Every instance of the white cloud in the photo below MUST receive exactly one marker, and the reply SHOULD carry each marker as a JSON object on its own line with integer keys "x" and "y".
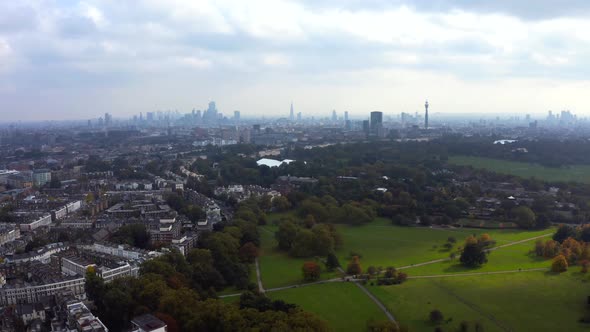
{"x": 287, "y": 42}
{"x": 195, "y": 62}
{"x": 276, "y": 60}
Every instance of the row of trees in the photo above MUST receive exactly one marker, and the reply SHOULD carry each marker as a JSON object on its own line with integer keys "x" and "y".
{"x": 164, "y": 290}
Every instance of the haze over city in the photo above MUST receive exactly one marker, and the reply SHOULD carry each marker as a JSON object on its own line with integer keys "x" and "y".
{"x": 79, "y": 59}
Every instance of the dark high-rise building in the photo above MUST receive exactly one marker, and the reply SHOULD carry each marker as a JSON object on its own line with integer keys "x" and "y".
{"x": 345, "y": 116}
{"x": 299, "y": 117}
{"x": 292, "y": 113}
{"x": 366, "y": 126}
{"x": 376, "y": 122}
{"x": 426, "y": 115}
{"x": 236, "y": 116}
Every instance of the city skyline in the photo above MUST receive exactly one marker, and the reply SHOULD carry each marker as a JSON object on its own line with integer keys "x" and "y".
{"x": 76, "y": 60}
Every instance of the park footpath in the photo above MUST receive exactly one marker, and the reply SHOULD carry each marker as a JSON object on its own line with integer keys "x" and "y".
{"x": 359, "y": 282}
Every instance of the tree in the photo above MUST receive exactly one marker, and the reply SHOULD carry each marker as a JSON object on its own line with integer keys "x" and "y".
{"x": 354, "y": 267}
{"x": 563, "y": 232}
{"x": 309, "y": 221}
{"x": 539, "y": 248}
{"x": 332, "y": 262}
{"x": 559, "y": 264}
{"x": 303, "y": 246}
{"x": 550, "y": 249}
{"x": 311, "y": 271}
{"x": 390, "y": 272}
{"x": 248, "y": 252}
{"x": 281, "y": 203}
{"x": 401, "y": 277}
{"x": 525, "y": 217}
{"x": 371, "y": 270}
{"x": 285, "y": 235}
{"x": 436, "y": 316}
{"x": 585, "y": 264}
{"x": 134, "y": 235}
{"x": 94, "y": 285}
{"x": 323, "y": 243}
{"x": 473, "y": 255}
{"x": 485, "y": 239}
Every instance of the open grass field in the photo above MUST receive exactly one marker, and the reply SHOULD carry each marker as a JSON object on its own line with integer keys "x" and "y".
{"x": 342, "y": 304}
{"x": 514, "y": 257}
{"x": 276, "y": 267}
{"x": 529, "y": 301}
{"x": 576, "y": 173}
{"x": 382, "y": 244}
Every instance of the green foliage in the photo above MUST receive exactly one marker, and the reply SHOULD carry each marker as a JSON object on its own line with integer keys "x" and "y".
{"x": 563, "y": 232}
{"x": 525, "y": 217}
{"x": 134, "y": 235}
{"x": 332, "y": 262}
{"x": 473, "y": 255}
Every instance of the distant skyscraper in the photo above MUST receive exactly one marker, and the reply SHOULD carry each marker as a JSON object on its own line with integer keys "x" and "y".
{"x": 334, "y": 116}
{"x": 376, "y": 122}
{"x": 299, "y": 117}
{"x": 366, "y": 126}
{"x": 236, "y": 116}
{"x": 292, "y": 113}
{"x": 107, "y": 119}
{"x": 345, "y": 116}
{"x": 426, "y": 115}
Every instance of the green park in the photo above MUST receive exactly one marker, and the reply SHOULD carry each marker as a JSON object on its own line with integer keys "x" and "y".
{"x": 578, "y": 173}
{"x": 487, "y": 297}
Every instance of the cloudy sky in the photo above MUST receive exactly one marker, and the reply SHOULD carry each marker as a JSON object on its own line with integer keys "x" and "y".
{"x": 74, "y": 59}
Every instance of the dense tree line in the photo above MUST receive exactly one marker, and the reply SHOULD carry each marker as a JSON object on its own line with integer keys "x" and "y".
{"x": 569, "y": 246}
{"x": 165, "y": 288}
{"x": 307, "y": 241}
{"x": 182, "y": 289}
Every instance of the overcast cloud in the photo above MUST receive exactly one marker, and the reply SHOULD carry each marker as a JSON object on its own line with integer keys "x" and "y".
{"x": 77, "y": 59}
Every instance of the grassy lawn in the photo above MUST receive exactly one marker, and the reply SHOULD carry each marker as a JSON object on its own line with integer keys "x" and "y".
{"x": 531, "y": 301}
{"x": 514, "y": 257}
{"x": 276, "y": 267}
{"x": 232, "y": 299}
{"x": 576, "y": 173}
{"x": 382, "y": 244}
{"x": 343, "y": 305}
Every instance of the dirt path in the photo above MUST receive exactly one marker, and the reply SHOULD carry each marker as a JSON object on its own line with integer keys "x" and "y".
{"x": 258, "y": 277}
